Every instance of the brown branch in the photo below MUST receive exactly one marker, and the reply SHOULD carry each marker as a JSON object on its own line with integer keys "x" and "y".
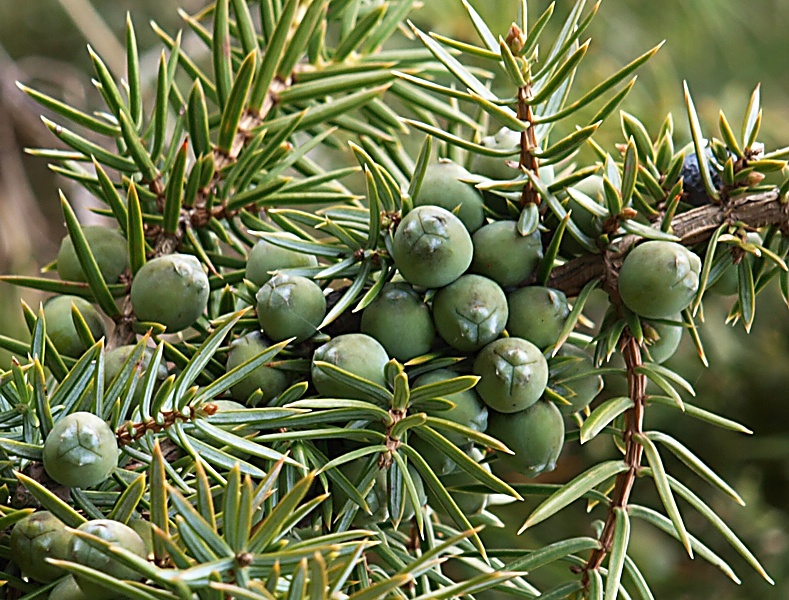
{"x": 528, "y": 142}
{"x": 516, "y": 39}
{"x": 634, "y": 421}
{"x": 129, "y": 432}
{"x": 692, "y": 227}
{"x": 201, "y": 214}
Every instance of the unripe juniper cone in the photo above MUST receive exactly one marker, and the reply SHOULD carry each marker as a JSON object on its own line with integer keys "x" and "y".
{"x": 290, "y": 306}
{"x": 498, "y": 167}
{"x": 470, "y": 312}
{"x": 663, "y": 337}
{"x": 114, "y": 361}
{"x": 109, "y": 248}
{"x": 378, "y": 497}
{"x": 61, "y": 328}
{"x": 431, "y": 247}
{"x": 468, "y": 409}
{"x": 537, "y": 314}
{"x": 119, "y": 534}
{"x": 35, "y": 538}
{"x": 573, "y": 376}
{"x": 535, "y": 435}
{"x": 171, "y": 290}
{"x": 68, "y": 589}
{"x": 443, "y": 186}
{"x": 513, "y": 374}
{"x": 400, "y": 321}
{"x": 503, "y": 254}
{"x": 471, "y": 503}
{"x": 268, "y": 380}
{"x": 265, "y": 257}
{"x": 659, "y": 279}
{"x": 356, "y": 353}
{"x": 80, "y": 451}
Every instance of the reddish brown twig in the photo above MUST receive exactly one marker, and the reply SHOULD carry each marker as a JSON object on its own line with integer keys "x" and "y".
{"x": 634, "y": 420}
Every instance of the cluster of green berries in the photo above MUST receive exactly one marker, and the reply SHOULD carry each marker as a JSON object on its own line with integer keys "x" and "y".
{"x": 460, "y": 289}
{"x": 41, "y": 536}
{"x": 457, "y": 292}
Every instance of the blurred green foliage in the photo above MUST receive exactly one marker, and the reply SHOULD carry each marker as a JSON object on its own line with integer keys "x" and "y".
{"x": 722, "y": 48}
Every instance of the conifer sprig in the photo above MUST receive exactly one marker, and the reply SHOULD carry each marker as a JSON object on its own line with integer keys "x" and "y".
{"x": 291, "y": 133}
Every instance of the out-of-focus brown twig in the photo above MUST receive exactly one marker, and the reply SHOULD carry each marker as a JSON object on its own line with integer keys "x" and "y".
{"x": 23, "y": 226}
{"x": 97, "y": 32}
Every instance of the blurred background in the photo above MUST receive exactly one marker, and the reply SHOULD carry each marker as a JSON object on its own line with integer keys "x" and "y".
{"x": 723, "y": 48}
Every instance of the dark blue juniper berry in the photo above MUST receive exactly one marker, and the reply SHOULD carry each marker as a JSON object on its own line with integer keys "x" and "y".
{"x": 694, "y": 192}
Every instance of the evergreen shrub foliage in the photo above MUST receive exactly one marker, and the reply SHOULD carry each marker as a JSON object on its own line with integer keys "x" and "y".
{"x": 311, "y": 370}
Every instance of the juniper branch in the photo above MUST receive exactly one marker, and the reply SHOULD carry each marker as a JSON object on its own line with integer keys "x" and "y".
{"x": 692, "y": 227}
{"x": 634, "y": 421}
{"x": 201, "y": 214}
